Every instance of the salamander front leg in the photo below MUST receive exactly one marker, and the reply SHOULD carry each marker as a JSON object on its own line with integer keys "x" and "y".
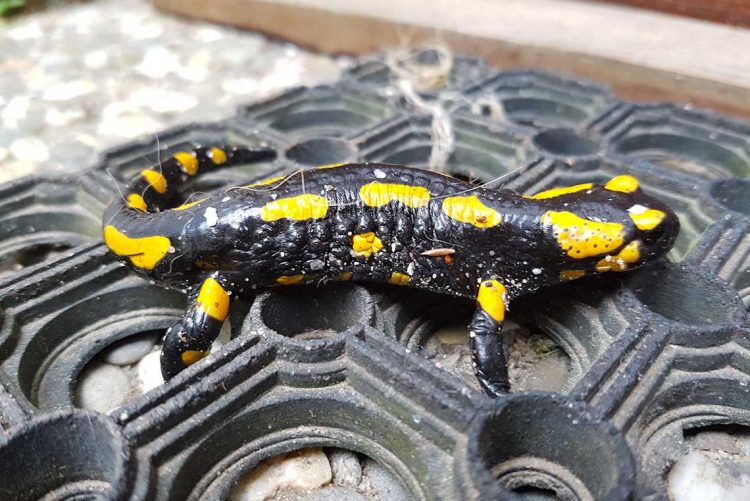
{"x": 190, "y": 338}
{"x": 486, "y": 343}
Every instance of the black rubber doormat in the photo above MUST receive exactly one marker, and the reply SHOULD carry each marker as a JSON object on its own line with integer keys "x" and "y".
{"x": 633, "y": 364}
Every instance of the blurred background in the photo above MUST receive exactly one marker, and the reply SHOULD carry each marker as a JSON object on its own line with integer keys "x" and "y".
{"x": 78, "y": 77}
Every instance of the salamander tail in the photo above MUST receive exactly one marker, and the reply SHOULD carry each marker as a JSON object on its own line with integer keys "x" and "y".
{"x": 157, "y": 188}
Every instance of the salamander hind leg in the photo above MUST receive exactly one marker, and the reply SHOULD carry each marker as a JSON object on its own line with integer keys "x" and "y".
{"x": 486, "y": 343}
{"x": 190, "y": 338}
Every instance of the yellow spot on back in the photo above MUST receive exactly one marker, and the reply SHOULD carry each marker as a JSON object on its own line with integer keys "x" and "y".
{"x": 628, "y": 255}
{"x": 137, "y": 202}
{"x": 625, "y": 184}
{"x": 265, "y": 182}
{"x": 213, "y": 300}
{"x": 156, "y": 180}
{"x": 189, "y": 204}
{"x": 556, "y": 192}
{"x": 379, "y": 194}
{"x": 582, "y": 238}
{"x": 567, "y": 275}
{"x": 188, "y": 162}
{"x": 471, "y": 210}
{"x": 344, "y": 277}
{"x": 299, "y": 208}
{"x": 290, "y": 279}
{"x": 189, "y": 357}
{"x": 648, "y": 219}
{"x": 331, "y": 166}
{"x": 398, "y": 278}
{"x": 366, "y": 244}
{"x": 218, "y": 156}
{"x": 144, "y": 252}
{"x": 491, "y": 298}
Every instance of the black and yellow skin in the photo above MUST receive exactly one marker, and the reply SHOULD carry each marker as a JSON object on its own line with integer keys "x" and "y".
{"x": 374, "y": 223}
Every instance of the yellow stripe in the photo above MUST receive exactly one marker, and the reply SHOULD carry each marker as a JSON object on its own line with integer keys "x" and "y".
{"x": 625, "y": 184}
{"x": 582, "y": 238}
{"x": 144, "y": 252}
{"x": 265, "y": 182}
{"x": 290, "y": 279}
{"x": 366, "y": 244}
{"x": 213, "y": 300}
{"x": 471, "y": 210}
{"x": 378, "y": 194}
{"x": 136, "y": 201}
{"x": 188, "y": 162}
{"x": 556, "y": 192}
{"x": 191, "y": 356}
{"x": 156, "y": 180}
{"x": 648, "y": 219}
{"x": 398, "y": 278}
{"x": 218, "y": 156}
{"x": 299, "y": 208}
{"x": 491, "y": 298}
{"x": 189, "y": 204}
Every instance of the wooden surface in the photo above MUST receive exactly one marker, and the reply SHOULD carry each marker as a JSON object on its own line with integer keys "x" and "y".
{"x": 643, "y": 55}
{"x": 732, "y": 12}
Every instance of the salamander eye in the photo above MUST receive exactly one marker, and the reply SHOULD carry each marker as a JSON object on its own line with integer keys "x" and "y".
{"x": 652, "y": 237}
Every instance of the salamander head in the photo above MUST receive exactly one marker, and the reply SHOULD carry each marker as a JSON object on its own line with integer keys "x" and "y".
{"x": 612, "y": 227}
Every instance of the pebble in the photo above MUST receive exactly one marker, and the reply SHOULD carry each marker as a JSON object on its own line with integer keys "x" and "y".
{"x": 103, "y": 387}
{"x": 297, "y": 470}
{"x": 345, "y": 467}
{"x": 453, "y": 334}
{"x": 331, "y": 493}
{"x": 384, "y": 483}
{"x": 15, "y": 111}
{"x": 706, "y": 476}
{"x": 131, "y": 349}
{"x": 29, "y": 149}
{"x": 149, "y": 371}
{"x": 96, "y": 59}
{"x": 65, "y": 91}
{"x": 163, "y": 101}
{"x": 158, "y": 62}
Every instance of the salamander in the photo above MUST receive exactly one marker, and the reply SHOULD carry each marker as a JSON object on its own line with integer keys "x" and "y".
{"x": 372, "y": 222}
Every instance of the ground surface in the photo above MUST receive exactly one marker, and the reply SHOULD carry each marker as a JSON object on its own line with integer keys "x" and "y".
{"x": 77, "y": 79}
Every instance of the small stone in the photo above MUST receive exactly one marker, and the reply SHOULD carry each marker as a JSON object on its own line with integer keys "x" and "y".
{"x": 705, "y": 476}
{"x": 26, "y": 31}
{"x": 158, "y": 62}
{"x": 331, "y": 493}
{"x": 163, "y": 101}
{"x": 149, "y": 371}
{"x": 29, "y": 149}
{"x": 345, "y": 466}
{"x": 96, "y": 59}
{"x": 59, "y": 118}
{"x": 240, "y": 85}
{"x": 129, "y": 126}
{"x": 15, "y": 111}
{"x": 65, "y": 91}
{"x": 383, "y": 482}
{"x": 225, "y": 335}
{"x": 297, "y": 470}
{"x": 453, "y": 334}
{"x": 103, "y": 387}
{"x": 131, "y": 349}
{"x": 14, "y": 170}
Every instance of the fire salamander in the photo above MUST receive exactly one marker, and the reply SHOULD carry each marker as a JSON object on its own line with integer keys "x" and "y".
{"x": 374, "y": 223}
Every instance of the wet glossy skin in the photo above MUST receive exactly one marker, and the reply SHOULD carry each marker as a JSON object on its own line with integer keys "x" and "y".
{"x": 376, "y": 223}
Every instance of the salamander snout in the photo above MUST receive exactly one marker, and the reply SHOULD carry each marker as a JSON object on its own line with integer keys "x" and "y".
{"x": 656, "y": 226}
